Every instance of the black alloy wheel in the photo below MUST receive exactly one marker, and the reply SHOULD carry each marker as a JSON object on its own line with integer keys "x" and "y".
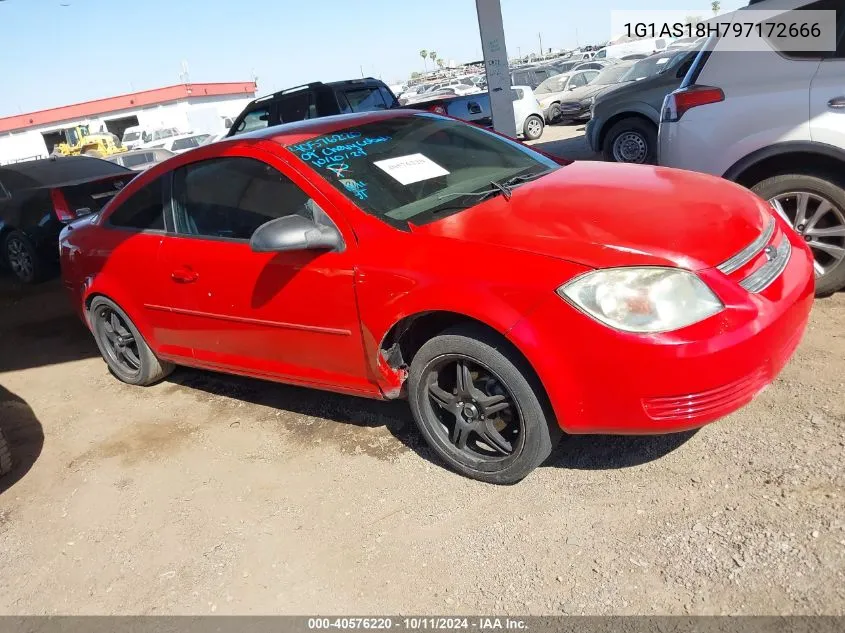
{"x": 120, "y": 346}
{"x": 125, "y": 351}
{"x": 477, "y": 414}
{"x": 479, "y": 405}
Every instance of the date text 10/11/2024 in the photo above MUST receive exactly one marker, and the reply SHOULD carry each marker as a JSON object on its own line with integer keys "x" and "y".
{"x": 422, "y": 623}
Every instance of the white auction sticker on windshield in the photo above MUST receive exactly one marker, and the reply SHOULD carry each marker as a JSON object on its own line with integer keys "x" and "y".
{"x": 411, "y": 168}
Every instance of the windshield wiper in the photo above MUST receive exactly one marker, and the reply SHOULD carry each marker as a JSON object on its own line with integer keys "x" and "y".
{"x": 481, "y": 195}
{"x": 510, "y": 183}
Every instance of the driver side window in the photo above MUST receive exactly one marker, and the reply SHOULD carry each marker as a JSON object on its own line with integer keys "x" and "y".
{"x": 231, "y": 197}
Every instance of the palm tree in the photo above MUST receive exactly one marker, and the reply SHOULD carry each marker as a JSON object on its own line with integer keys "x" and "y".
{"x": 440, "y": 62}
{"x": 424, "y": 55}
{"x": 433, "y": 55}
{"x": 716, "y": 6}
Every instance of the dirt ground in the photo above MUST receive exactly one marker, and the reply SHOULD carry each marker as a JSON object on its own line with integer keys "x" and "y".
{"x": 212, "y": 494}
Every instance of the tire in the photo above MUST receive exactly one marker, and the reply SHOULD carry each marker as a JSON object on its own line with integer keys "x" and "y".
{"x": 6, "y": 463}
{"x": 106, "y": 315}
{"x": 529, "y": 429}
{"x": 624, "y": 135}
{"x": 554, "y": 113}
{"x": 22, "y": 258}
{"x": 533, "y": 127}
{"x": 777, "y": 189}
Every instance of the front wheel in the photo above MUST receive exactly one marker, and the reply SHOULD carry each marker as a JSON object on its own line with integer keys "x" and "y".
{"x": 554, "y": 113}
{"x": 475, "y": 402}
{"x": 123, "y": 348}
{"x": 533, "y": 127}
{"x": 815, "y": 207}
{"x": 631, "y": 140}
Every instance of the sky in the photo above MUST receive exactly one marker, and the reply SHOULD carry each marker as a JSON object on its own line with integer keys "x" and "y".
{"x": 53, "y": 55}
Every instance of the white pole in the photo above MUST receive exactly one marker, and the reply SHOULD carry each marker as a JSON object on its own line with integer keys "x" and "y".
{"x": 496, "y": 65}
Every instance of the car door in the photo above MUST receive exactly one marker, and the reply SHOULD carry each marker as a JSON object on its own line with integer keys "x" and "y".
{"x": 827, "y": 96}
{"x": 287, "y": 315}
{"x": 128, "y": 249}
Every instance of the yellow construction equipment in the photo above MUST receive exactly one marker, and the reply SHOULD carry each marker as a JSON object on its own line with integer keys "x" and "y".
{"x": 78, "y": 140}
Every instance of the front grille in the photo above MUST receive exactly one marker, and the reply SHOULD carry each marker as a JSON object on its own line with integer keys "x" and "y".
{"x": 706, "y": 403}
{"x": 778, "y": 258}
{"x": 757, "y": 265}
{"x": 749, "y": 252}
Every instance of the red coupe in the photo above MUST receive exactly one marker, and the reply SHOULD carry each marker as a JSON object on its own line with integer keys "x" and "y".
{"x": 507, "y": 295}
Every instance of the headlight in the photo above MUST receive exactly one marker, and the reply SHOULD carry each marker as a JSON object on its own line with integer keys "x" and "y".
{"x": 590, "y": 101}
{"x": 643, "y": 300}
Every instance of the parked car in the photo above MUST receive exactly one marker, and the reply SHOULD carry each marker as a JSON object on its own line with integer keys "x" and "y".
{"x": 181, "y": 143}
{"x": 595, "y": 64}
{"x": 644, "y": 46}
{"x": 37, "y": 199}
{"x": 623, "y": 121}
{"x": 314, "y": 100}
{"x": 403, "y": 254}
{"x": 532, "y": 76}
{"x": 154, "y": 137}
{"x": 141, "y": 159}
{"x": 566, "y": 65}
{"x": 528, "y": 115}
{"x": 721, "y": 121}
{"x": 574, "y": 101}
{"x": 554, "y": 90}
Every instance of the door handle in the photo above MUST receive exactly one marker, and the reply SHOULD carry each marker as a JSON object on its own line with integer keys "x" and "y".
{"x": 184, "y": 275}
{"x": 837, "y": 103}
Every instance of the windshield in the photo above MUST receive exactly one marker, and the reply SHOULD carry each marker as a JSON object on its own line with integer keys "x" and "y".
{"x": 552, "y": 84}
{"x": 417, "y": 168}
{"x": 648, "y": 67}
{"x": 610, "y": 75}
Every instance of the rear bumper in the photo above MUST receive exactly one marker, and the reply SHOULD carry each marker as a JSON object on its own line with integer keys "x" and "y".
{"x": 601, "y": 380}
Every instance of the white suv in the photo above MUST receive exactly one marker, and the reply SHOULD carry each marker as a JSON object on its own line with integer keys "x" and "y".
{"x": 772, "y": 121}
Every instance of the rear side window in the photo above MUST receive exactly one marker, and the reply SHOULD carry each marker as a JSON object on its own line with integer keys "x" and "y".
{"x": 138, "y": 159}
{"x": 388, "y": 97}
{"x": 296, "y": 106}
{"x": 790, "y": 17}
{"x": 363, "y": 100}
{"x": 231, "y": 197}
{"x": 143, "y": 211}
{"x": 254, "y": 120}
{"x": 92, "y": 195}
{"x": 521, "y": 79}
{"x": 185, "y": 143}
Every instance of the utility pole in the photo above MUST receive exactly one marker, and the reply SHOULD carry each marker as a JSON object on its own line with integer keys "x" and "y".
{"x": 540, "y": 35}
{"x": 577, "y": 43}
{"x": 362, "y": 70}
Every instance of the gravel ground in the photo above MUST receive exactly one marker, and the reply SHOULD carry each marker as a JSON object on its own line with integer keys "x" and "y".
{"x": 213, "y": 494}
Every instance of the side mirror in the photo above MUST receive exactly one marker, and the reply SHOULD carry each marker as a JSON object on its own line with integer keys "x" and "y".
{"x": 295, "y": 233}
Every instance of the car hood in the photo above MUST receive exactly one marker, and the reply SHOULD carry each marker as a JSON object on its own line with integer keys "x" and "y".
{"x": 603, "y": 215}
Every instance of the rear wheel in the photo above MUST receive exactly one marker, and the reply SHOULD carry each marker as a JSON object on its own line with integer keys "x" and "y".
{"x": 122, "y": 346}
{"x": 474, "y": 401}
{"x": 22, "y": 257}
{"x": 631, "y": 140}
{"x": 533, "y": 127}
{"x": 554, "y": 113}
{"x": 815, "y": 207}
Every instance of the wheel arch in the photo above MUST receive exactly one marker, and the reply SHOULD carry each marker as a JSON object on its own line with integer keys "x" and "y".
{"x": 133, "y": 311}
{"x": 407, "y": 335}
{"x": 642, "y": 112}
{"x": 804, "y": 157}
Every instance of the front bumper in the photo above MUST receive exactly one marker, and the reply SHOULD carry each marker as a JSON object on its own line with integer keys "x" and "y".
{"x": 591, "y": 133}
{"x": 600, "y": 380}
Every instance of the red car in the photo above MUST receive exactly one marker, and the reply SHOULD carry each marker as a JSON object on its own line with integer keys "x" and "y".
{"x": 507, "y": 295}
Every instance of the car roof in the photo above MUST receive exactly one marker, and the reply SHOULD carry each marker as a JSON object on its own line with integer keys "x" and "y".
{"x": 60, "y": 170}
{"x": 299, "y": 131}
